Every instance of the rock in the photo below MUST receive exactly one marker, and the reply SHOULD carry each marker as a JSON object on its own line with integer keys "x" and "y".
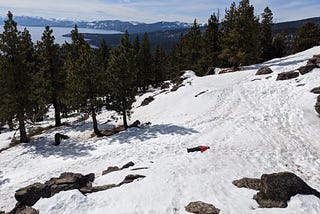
{"x": 315, "y": 60}
{"x": 130, "y": 178}
{"x": 278, "y": 188}
{"x": 58, "y": 137}
{"x": 86, "y": 190}
{"x": 127, "y": 165}
{"x": 110, "y": 169}
{"x": 211, "y": 71}
{"x": 136, "y": 124}
{"x": 21, "y": 209}
{"x": 316, "y": 90}
{"x": 287, "y": 75}
{"x": 317, "y": 106}
{"x": 264, "y": 70}
{"x": 306, "y": 69}
{"x": 30, "y": 194}
{"x": 201, "y": 208}
{"x": 176, "y": 87}
{"x": 165, "y": 85}
{"x": 249, "y": 183}
{"x": 256, "y": 79}
{"x": 227, "y": 70}
{"x": 147, "y": 101}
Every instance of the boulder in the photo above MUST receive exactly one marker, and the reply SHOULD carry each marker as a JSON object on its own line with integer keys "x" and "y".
{"x": 201, "y": 208}
{"x": 316, "y": 90}
{"x": 127, "y": 165}
{"x": 165, "y": 85}
{"x": 287, "y": 75}
{"x": 135, "y": 124}
{"x": 227, "y": 70}
{"x": 278, "y": 188}
{"x": 264, "y": 70}
{"x": 130, "y": 179}
{"x": 29, "y": 195}
{"x": 306, "y": 69}
{"x": 110, "y": 169}
{"x": 86, "y": 190}
{"x": 249, "y": 183}
{"x": 58, "y": 137}
{"x": 147, "y": 101}
{"x": 317, "y": 106}
{"x": 21, "y": 209}
{"x": 315, "y": 60}
{"x": 211, "y": 71}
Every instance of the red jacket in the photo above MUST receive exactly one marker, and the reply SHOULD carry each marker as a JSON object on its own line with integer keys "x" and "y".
{"x": 204, "y": 148}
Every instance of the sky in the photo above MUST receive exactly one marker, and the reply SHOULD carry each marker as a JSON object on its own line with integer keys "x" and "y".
{"x": 152, "y": 11}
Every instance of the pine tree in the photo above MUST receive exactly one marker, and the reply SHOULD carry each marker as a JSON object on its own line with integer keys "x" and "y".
{"x": 307, "y": 37}
{"x": 123, "y": 75}
{"x": 279, "y": 46}
{"x": 241, "y": 43}
{"x": 50, "y": 64}
{"x": 159, "y": 66}
{"x": 16, "y": 74}
{"x": 145, "y": 75}
{"x": 266, "y": 34}
{"x": 84, "y": 79}
{"x": 211, "y": 43}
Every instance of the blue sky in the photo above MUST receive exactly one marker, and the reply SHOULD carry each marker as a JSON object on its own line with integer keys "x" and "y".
{"x": 152, "y": 11}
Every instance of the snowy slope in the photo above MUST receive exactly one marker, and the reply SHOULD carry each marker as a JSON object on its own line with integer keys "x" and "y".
{"x": 252, "y": 127}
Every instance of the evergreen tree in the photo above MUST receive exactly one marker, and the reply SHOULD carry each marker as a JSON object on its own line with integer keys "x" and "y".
{"x": 211, "y": 43}
{"x": 84, "y": 85}
{"x": 159, "y": 59}
{"x": 50, "y": 64}
{"x": 123, "y": 77}
{"x": 16, "y": 74}
{"x": 241, "y": 44}
{"x": 145, "y": 76}
{"x": 307, "y": 37}
{"x": 279, "y": 46}
{"x": 266, "y": 34}
{"x": 191, "y": 49}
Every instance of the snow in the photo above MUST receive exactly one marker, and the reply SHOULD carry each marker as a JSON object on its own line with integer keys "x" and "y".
{"x": 252, "y": 128}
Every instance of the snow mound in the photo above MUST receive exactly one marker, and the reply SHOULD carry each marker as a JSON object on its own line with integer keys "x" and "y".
{"x": 188, "y": 74}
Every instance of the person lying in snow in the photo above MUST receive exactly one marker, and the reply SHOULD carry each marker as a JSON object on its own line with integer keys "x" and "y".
{"x": 198, "y": 148}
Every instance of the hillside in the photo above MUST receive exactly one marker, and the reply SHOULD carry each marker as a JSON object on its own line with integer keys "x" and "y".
{"x": 252, "y": 127}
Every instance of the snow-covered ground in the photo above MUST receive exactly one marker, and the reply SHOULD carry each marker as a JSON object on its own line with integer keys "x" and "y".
{"x": 252, "y": 127}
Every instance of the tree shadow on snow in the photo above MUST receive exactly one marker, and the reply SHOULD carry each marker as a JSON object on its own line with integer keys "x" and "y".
{"x": 68, "y": 148}
{"x": 151, "y": 132}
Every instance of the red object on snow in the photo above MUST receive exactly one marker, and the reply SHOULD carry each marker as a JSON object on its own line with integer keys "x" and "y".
{"x": 204, "y": 148}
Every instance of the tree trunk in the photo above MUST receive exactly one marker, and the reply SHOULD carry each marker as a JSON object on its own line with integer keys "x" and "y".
{"x": 10, "y": 124}
{"x": 124, "y": 117}
{"x": 94, "y": 119}
{"x": 22, "y": 129}
{"x": 57, "y": 111}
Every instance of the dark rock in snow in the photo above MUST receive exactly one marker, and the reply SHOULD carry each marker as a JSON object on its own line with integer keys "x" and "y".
{"x": 29, "y": 195}
{"x": 136, "y": 124}
{"x": 58, "y": 137}
{"x": 315, "y": 60}
{"x": 249, "y": 183}
{"x": 165, "y": 85}
{"x": 317, "y": 106}
{"x": 316, "y": 90}
{"x": 21, "y": 209}
{"x": 66, "y": 181}
{"x": 86, "y": 190}
{"x": 147, "y": 101}
{"x": 306, "y": 69}
{"x": 278, "y": 188}
{"x": 110, "y": 169}
{"x": 130, "y": 178}
{"x": 287, "y": 75}
{"x": 211, "y": 71}
{"x": 200, "y": 207}
{"x": 264, "y": 70}
{"x": 127, "y": 165}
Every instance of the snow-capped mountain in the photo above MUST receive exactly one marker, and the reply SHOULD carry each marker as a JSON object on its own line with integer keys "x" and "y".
{"x": 117, "y": 25}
